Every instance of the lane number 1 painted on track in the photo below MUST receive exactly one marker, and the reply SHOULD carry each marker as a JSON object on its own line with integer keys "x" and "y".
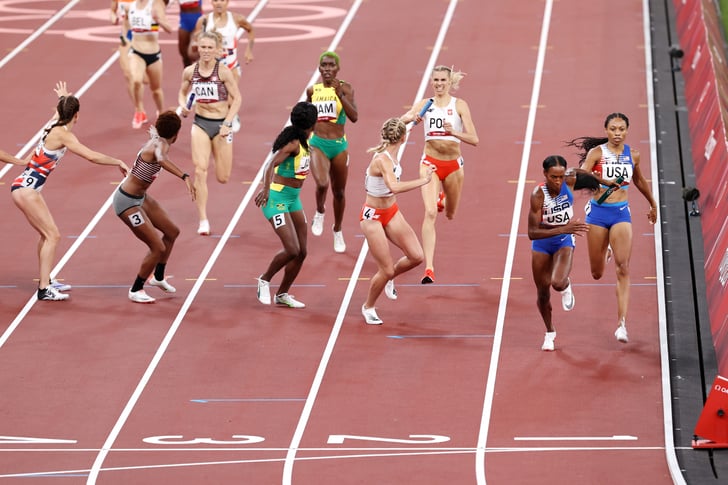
{"x": 415, "y": 439}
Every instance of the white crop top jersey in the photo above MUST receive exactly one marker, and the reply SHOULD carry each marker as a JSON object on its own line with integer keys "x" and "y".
{"x": 435, "y": 118}
{"x": 141, "y": 20}
{"x": 374, "y": 184}
{"x": 228, "y": 32}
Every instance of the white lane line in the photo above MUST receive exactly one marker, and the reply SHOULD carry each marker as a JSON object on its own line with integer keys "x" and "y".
{"x": 318, "y": 378}
{"x": 615, "y": 437}
{"x": 516, "y": 218}
{"x": 38, "y": 33}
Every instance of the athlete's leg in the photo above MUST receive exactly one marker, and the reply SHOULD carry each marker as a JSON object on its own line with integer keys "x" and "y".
{"x": 339, "y": 172}
{"x": 320, "y": 168}
{"x": 222, "y": 152}
{"x": 541, "y": 267}
{"x": 620, "y": 237}
{"x": 597, "y": 240}
{"x": 562, "y": 261}
{"x": 379, "y": 249}
{"x": 429, "y": 197}
{"x": 201, "y": 148}
{"x": 154, "y": 71}
{"x": 34, "y": 207}
{"x": 161, "y": 221}
{"x": 453, "y": 187}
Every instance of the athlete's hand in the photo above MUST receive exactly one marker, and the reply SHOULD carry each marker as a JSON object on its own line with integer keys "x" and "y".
{"x": 261, "y": 198}
{"x": 429, "y": 169}
{"x": 61, "y": 89}
{"x": 576, "y": 227}
{"x": 123, "y": 168}
{"x": 652, "y": 215}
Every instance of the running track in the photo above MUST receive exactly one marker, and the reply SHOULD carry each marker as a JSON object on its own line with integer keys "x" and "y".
{"x": 208, "y": 386}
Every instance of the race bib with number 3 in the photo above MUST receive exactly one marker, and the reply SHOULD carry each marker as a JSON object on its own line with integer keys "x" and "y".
{"x": 136, "y": 218}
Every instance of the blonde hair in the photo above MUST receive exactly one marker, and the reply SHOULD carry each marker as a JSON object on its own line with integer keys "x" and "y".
{"x": 455, "y": 76}
{"x": 393, "y": 131}
{"x": 209, "y": 34}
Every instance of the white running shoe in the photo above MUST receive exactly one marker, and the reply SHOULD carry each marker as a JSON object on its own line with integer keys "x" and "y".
{"x": 204, "y": 228}
{"x": 339, "y": 244}
{"x": 567, "y": 299}
{"x": 370, "y": 315}
{"x": 236, "y": 124}
{"x": 621, "y": 334}
{"x": 548, "y": 341}
{"x": 390, "y": 290}
{"x": 140, "y": 297}
{"x": 289, "y": 301}
{"x": 161, "y": 284}
{"x": 51, "y": 294}
{"x": 317, "y": 225}
{"x": 263, "y": 291}
{"x": 60, "y": 286}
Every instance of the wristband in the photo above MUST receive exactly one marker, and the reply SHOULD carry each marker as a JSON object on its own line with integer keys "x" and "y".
{"x": 185, "y": 176}
{"x": 229, "y": 124}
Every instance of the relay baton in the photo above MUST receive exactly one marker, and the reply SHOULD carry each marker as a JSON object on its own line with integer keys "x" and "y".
{"x": 610, "y": 190}
{"x": 190, "y": 101}
{"x": 424, "y": 110}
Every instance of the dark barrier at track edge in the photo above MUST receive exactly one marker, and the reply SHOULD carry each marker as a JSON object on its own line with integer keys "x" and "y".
{"x": 705, "y": 72}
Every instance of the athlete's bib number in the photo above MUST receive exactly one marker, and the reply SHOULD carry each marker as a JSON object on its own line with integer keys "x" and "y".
{"x": 136, "y": 218}
{"x": 369, "y": 213}
{"x": 279, "y": 220}
{"x": 30, "y": 179}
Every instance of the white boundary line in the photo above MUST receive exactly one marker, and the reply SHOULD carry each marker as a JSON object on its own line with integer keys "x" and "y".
{"x": 318, "y": 378}
{"x": 512, "y": 239}
{"x": 670, "y": 455}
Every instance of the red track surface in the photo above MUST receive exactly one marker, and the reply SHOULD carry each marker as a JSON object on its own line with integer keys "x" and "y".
{"x": 230, "y": 368}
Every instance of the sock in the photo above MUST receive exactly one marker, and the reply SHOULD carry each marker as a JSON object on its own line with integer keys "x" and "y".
{"x": 159, "y": 271}
{"x": 138, "y": 284}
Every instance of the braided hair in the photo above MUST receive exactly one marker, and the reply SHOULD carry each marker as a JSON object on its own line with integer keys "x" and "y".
{"x": 393, "y": 131}
{"x": 303, "y": 118}
{"x": 586, "y": 143}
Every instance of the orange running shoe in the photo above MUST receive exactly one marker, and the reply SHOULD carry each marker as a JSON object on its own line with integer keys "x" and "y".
{"x": 139, "y": 119}
{"x": 429, "y": 277}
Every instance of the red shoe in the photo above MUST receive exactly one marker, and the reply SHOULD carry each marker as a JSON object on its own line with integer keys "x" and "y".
{"x": 429, "y": 277}
{"x": 441, "y": 202}
{"x": 139, "y": 119}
